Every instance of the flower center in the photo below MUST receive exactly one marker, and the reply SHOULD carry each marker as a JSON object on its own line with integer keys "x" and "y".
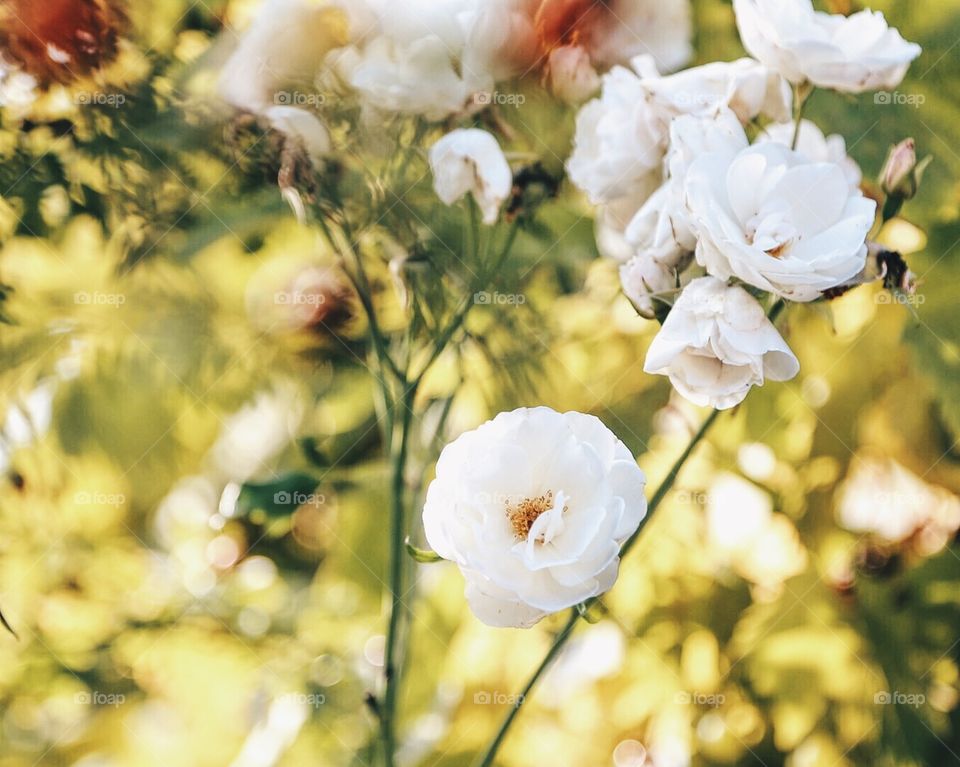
{"x": 522, "y": 515}
{"x": 772, "y": 232}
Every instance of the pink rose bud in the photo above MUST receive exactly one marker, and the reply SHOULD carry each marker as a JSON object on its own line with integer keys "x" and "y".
{"x": 572, "y": 76}
{"x": 899, "y": 177}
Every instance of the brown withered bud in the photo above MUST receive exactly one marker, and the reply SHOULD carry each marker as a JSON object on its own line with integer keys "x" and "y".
{"x": 532, "y": 184}
{"x": 60, "y": 40}
{"x": 885, "y": 265}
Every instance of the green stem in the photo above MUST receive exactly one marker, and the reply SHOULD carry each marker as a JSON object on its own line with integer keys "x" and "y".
{"x": 392, "y": 669}
{"x": 801, "y": 95}
{"x": 460, "y": 315}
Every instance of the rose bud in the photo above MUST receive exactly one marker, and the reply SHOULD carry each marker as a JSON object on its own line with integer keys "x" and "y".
{"x": 901, "y": 175}
{"x": 897, "y": 177}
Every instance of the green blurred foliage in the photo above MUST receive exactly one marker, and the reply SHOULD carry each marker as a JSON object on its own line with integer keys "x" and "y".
{"x": 193, "y": 510}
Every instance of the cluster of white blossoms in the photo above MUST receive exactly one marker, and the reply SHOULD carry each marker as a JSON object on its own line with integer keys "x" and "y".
{"x": 703, "y": 220}
{"x": 435, "y": 59}
{"x": 709, "y": 192}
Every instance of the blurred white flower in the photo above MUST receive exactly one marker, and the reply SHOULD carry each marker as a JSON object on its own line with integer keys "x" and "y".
{"x": 882, "y": 497}
{"x": 418, "y": 77}
{"x": 257, "y": 433}
{"x": 533, "y": 506}
{"x": 303, "y": 127}
{"x": 847, "y": 53}
{"x": 569, "y": 42}
{"x": 622, "y": 136}
{"x": 737, "y": 513}
{"x": 622, "y": 29}
{"x": 17, "y": 88}
{"x": 571, "y": 74}
{"x": 815, "y": 146}
{"x": 470, "y": 160}
{"x": 284, "y": 47}
{"x": 760, "y": 546}
{"x": 430, "y": 57}
{"x": 777, "y": 221}
{"x": 716, "y": 343}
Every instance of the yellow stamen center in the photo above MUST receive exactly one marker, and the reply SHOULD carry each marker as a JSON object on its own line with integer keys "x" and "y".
{"x": 522, "y": 515}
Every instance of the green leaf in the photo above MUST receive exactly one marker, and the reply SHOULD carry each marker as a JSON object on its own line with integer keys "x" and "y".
{"x": 424, "y": 556}
{"x": 280, "y": 497}
{"x": 7, "y": 626}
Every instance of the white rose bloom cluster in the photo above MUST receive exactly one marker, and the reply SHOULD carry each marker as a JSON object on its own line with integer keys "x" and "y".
{"x": 533, "y": 507}
{"x": 622, "y": 136}
{"x": 706, "y": 221}
{"x": 437, "y": 60}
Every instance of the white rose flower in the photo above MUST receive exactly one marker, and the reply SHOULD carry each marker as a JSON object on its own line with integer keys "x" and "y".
{"x": 533, "y": 506}
{"x": 622, "y": 29}
{"x": 430, "y": 57}
{"x": 815, "y": 146}
{"x": 470, "y": 160}
{"x": 847, "y": 53}
{"x": 283, "y": 49}
{"x": 777, "y": 221}
{"x": 744, "y": 86}
{"x": 621, "y": 137}
{"x": 418, "y": 77}
{"x": 716, "y": 343}
{"x": 661, "y": 229}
